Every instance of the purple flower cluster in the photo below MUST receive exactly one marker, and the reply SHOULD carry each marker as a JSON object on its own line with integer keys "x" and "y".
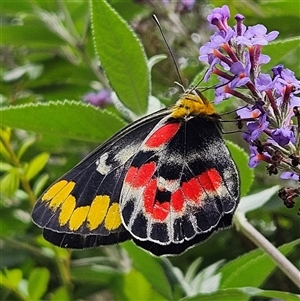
{"x": 235, "y": 56}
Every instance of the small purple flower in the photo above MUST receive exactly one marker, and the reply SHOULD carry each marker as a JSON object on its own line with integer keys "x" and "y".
{"x": 240, "y": 28}
{"x": 264, "y": 82}
{"x": 286, "y": 175}
{"x": 257, "y": 35}
{"x": 283, "y": 136}
{"x": 242, "y": 74}
{"x": 218, "y": 40}
{"x": 287, "y": 77}
{"x": 256, "y": 157}
{"x": 219, "y": 17}
{"x": 246, "y": 112}
{"x": 254, "y": 129}
{"x": 101, "y": 99}
{"x": 294, "y": 101}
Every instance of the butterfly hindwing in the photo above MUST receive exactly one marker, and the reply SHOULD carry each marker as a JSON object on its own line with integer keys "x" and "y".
{"x": 178, "y": 189}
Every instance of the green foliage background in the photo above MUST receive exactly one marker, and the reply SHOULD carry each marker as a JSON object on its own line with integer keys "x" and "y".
{"x": 50, "y": 53}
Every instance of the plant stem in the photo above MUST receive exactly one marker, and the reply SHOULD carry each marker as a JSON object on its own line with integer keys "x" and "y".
{"x": 259, "y": 240}
{"x": 63, "y": 266}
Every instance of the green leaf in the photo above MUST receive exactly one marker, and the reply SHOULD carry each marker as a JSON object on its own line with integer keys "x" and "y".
{"x": 67, "y": 119}
{"x": 38, "y": 283}
{"x": 39, "y": 184}
{"x": 11, "y": 278}
{"x": 122, "y": 57}
{"x": 25, "y": 145}
{"x": 36, "y": 165}
{"x": 60, "y": 294}
{"x": 136, "y": 287}
{"x": 242, "y": 294}
{"x": 99, "y": 274}
{"x": 150, "y": 267}
{"x": 9, "y": 183}
{"x": 280, "y": 51}
{"x": 257, "y": 200}
{"x": 5, "y": 166}
{"x": 31, "y": 33}
{"x": 155, "y": 60}
{"x": 241, "y": 158}
{"x": 251, "y": 269}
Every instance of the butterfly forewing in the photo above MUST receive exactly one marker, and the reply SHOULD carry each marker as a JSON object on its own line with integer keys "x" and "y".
{"x": 85, "y": 201}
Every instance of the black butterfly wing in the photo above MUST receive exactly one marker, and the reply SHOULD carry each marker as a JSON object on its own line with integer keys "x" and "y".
{"x": 81, "y": 209}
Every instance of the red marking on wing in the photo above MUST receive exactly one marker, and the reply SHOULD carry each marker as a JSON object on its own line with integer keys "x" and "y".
{"x": 162, "y": 135}
{"x": 210, "y": 180}
{"x": 157, "y": 210}
{"x": 161, "y": 210}
{"x": 130, "y": 174}
{"x": 149, "y": 195}
{"x": 139, "y": 177}
{"x": 177, "y": 200}
{"x": 192, "y": 190}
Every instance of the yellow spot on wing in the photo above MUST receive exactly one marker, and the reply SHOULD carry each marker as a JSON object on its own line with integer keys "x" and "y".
{"x": 53, "y": 190}
{"x": 61, "y": 195}
{"x": 78, "y": 217}
{"x": 66, "y": 210}
{"x": 113, "y": 217}
{"x": 98, "y": 211}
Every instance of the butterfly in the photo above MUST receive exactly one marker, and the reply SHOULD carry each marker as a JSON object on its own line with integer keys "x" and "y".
{"x": 167, "y": 181}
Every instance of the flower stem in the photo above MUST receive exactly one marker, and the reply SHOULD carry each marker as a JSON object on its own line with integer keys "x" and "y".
{"x": 259, "y": 240}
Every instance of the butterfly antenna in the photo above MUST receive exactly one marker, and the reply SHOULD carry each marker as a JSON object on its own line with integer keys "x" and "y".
{"x": 169, "y": 49}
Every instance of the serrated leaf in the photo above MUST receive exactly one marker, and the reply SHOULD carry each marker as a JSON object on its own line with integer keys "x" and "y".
{"x": 68, "y": 119}
{"x": 241, "y": 158}
{"x": 251, "y": 269}
{"x": 121, "y": 56}
{"x": 38, "y": 283}
{"x": 36, "y": 165}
